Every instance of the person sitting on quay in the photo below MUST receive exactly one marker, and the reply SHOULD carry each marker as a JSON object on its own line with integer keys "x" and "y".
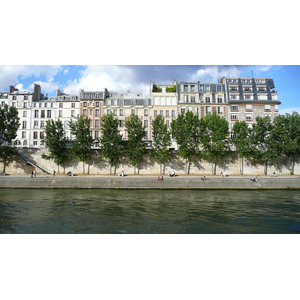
{"x": 172, "y": 174}
{"x": 204, "y": 178}
{"x": 160, "y": 178}
{"x": 122, "y": 174}
{"x": 273, "y": 174}
{"x": 254, "y": 179}
{"x": 69, "y": 173}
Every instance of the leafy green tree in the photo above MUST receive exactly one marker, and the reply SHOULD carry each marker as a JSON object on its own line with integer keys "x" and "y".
{"x": 262, "y": 146}
{"x": 56, "y": 142}
{"x": 161, "y": 140}
{"x": 186, "y": 131}
{"x": 9, "y": 124}
{"x": 286, "y": 136}
{"x": 240, "y": 139}
{"x": 111, "y": 140}
{"x": 81, "y": 147}
{"x": 135, "y": 149}
{"x": 215, "y": 138}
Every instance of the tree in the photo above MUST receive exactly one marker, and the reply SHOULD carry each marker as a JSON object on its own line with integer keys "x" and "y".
{"x": 161, "y": 140}
{"x": 186, "y": 131}
{"x": 9, "y": 124}
{"x": 111, "y": 139}
{"x": 81, "y": 147}
{"x": 215, "y": 138}
{"x": 263, "y": 147}
{"x": 135, "y": 149}
{"x": 241, "y": 137}
{"x": 286, "y": 136}
{"x": 56, "y": 142}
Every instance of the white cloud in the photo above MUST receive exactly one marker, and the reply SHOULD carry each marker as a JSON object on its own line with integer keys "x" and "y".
{"x": 213, "y": 74}
{"x": 114, "y": 78}
{"x": 264, "y": 68}
{"x": 9, "y": 75}
{"x": 289, "y": 110}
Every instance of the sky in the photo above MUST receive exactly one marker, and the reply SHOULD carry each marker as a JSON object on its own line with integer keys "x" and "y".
{"x": 137, "y": 78}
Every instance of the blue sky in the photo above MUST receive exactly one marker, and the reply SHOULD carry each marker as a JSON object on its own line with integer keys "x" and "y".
{"x": 136, "y": 78}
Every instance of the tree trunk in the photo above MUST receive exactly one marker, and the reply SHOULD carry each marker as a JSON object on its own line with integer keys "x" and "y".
{"x": 293, "y": 165}
{"x": 242, "y": 166}
{"x": 266, "y": 167}
{"x": 188, "y": 165}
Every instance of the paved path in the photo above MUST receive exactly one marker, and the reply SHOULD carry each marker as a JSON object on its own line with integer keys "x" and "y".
{"x": 150, "y": 182}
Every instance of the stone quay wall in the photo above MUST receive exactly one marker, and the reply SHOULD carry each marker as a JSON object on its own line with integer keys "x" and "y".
{"x": 231, "y": 166}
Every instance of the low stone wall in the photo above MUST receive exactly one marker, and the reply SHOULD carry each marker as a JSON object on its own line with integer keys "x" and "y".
{"x": 231, "y": 166}
{"x": 148, "y": 182}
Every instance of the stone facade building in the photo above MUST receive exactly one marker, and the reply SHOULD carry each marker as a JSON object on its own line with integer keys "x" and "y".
{"x": 233, "y": 98}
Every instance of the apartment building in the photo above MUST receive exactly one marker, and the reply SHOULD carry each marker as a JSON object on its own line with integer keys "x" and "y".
{"x": 202, "y": 98}
{"x": 66, "y": 107}
{"x": 122, "y": 105}
{"x": 91, "y": 106}
{"x": 249, "y": 98}
{"x": 164, "y": 99}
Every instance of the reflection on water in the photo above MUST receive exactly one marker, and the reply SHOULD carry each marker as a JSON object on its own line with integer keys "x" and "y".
{"x": 122, "y": 211}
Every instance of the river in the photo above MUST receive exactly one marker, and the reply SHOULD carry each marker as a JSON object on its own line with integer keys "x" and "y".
{"x": 78, "y": 211}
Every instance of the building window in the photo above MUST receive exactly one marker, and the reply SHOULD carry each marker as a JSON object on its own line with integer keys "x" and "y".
{"x": 84, "y": 104}
{"x": 91, "y": 111}
{"x": 14, "y": 97}
{"x": 121, "y": 112}
{"x": 23, "y": 134}
{"x": 60, "y": 113}
{"x": 247, "y": 97}
{"x": 155, "y": 113}
{"x": 97, "y": 114}
{"x": 146, "y": 123}
{"x": 146, "y": 112}
{"x": 24, "y": 113}
{"x": 207, "y": 88}
{"x": 161, "y": 112}
{"x": 249, "y": 117}
{"x": 48, "y": 113}
{"x": 168, "y": 123}
{"x": 84, "y": 112}
{"x": 186, "y": 98}
{"x": 61, "y": 105}
{"x": 220, "y": 99}
{"x": 167, "y": 113}
{"x": 42, "y": 135}
{"x": 96, "y": 134}
{"x": 73, "y": 113}
{"x": 207, "y": 109}
{"x": 42, "y": 124}
{"x": 24, "y": 124}
{"x": 267, "y": 107}
{"x": 133, "y": 111}
{"x": 42, "y": 114}
{"x": 35, "y": 135}
{"x": 207, "y": 99}
{"x": 234, "y": 107}
{"x": 97, "y": 104}
{"x": 193, "y": 99}
{"x": 248, "y": 107}
{"x": 35, "y": 124}
{"x": 24, "y": 104}
{"x": 96, "y": 123}
{"x": 219, "y": 88}
{"x": 115, "y": 112}
{"x": 234, "y": 117}
{"x": 220, "y": 110}
{"x": 173, "y": 114}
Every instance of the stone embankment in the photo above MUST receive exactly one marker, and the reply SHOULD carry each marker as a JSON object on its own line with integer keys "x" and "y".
{"x": 150, "y": 182}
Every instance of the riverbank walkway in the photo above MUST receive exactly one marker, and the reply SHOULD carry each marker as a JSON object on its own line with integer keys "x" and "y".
{"x": 149, "y": 182}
